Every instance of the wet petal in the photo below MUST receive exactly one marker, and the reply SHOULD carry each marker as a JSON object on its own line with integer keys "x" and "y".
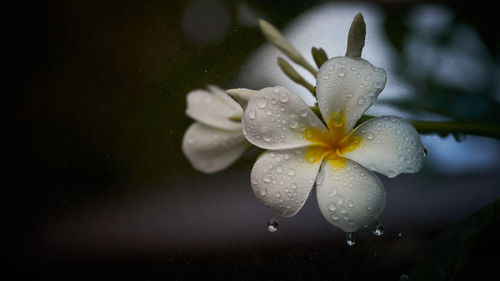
{"x": 282, "y": 180}
{"x": 388, "y": 145}
{"x": 210, "y": 150}
{"x": 276, "y": 119}
{"x": 213, "y": 108}
{"x": 345, "y": 88}
{"x": 350, "y": 197}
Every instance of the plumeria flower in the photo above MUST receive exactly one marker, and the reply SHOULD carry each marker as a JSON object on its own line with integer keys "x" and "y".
{"x": 215, "y": 140}
{"x": 336, "y": 156}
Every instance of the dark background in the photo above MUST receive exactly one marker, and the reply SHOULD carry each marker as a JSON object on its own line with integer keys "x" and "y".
{"x": 97, "y": 186}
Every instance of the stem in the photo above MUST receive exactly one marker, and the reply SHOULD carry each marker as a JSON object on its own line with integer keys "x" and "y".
{"x": 453, "y": 127}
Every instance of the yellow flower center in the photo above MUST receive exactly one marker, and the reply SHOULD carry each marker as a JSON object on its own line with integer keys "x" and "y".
{"x": 332, "y": 143}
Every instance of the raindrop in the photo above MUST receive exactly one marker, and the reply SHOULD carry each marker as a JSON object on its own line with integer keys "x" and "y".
{"x": 350, "y": 240}
{"x": 404, "y": 277}
{"x": 252, "y": 115}
{"x": 261, "y": 102}
{"x": 304, "y": 113}
{"x": 332, "y": 207}
{"x": 341, "y": 72}
{"x": 342, "y": 61}
{"x": 263, "y": 192}
{"x": 379, "y": 229}
{"x": 361, "y": 100}
{"x": 266, "y": 178}
{"x": 283, "y": 97}
{"x": 294, "y": 123}
{"x": 320, "y": 178}
{"x": 273, "y": 225}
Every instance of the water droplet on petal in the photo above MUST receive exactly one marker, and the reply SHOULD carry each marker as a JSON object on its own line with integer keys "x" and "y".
{"x": 341, "y": 72}
{"x": 283, "y": 97}
{"x": 261, "y": 102}
{"x": 370, "y": 136}
{"x": 320, "y": 178}
{"x": 291, "y": 172}
{"x": 252, "y": 114}
{"x": 379, "y": 229}
{"x": 350, "y": 239}
{"x": 304, "y": 113}
{"x": 361, "y": 100}
{"x": 273, "y": 225}
{"x": 293, "y": 123}
{"x": 266, "y": 178}
{"x": 332, "y": 207}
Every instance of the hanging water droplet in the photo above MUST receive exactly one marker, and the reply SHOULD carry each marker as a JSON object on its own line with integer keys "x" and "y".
{"x": 404, "y": 277}
{"x": 400, "y": 235}
{"x": 273, "y": 225}
{"x": 379, "y": 229}
{"x": 350, "y": 239}
{"x": 425, "y": 152}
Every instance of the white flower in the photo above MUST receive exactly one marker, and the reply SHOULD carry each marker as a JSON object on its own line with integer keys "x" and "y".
{"x": 338, "y": 158}
{"x": 216, "y": 140}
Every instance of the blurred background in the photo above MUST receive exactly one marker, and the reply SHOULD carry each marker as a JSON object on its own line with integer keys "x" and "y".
{"x": 93, "y": 118}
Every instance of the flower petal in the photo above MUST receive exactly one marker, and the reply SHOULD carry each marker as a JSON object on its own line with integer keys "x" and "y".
{"x": 214, "y": 108}
{"x": 388, "y": 145}
{"x": 350, "y": 197}
{"x": 282, "y": 180}
{"x": 345, "y": 88}
{"x": 210, "y": 150}
{"x": 276, "y": 119}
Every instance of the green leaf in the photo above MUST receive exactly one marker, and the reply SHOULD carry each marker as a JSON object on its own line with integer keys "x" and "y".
{"x": 450, "y": 249}
{"x": 319, "y": 56}
{"x": 294, "y": 75}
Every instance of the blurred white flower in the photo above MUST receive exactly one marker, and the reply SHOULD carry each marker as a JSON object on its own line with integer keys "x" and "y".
{"x": 215, "y": 140}
{"x": 302, "y": 150}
